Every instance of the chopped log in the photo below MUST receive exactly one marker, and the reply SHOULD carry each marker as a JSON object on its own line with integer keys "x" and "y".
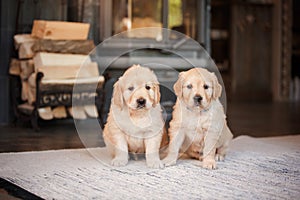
{"x": 91, "y": 111}
{"x": 65, "y": 66}
{"x": 84, "y": 81}
{"x": 22, "y": 38}
{"x": 24, "y": 43}
{"x": 14, "y": 67}
{"x": 54, "y": 59}
{"x": 31, "y": 95}
{"x": 59, "y": 112}
{"x": 25, "y": 89}
{"x": 32, "y": 88}
{"x": 77, "y": 112}
{"x": 32, "y": 80}
{"x": 80, "y": 85}
{"x": 25, "y": 50}
{"x": 64, "y": 46}
{"x": 26, "y": 108}
{"x": 67, "y": 72}
{"x": 58, "y": 30}
{"x": 45, "y": 113}
{"x": 27, "y": 68}
{"x": 89, "y": 70}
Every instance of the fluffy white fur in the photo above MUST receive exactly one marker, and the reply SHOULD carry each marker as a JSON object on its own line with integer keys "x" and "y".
{"x": 198, "y": 126}
{"x": 132, "y": 127}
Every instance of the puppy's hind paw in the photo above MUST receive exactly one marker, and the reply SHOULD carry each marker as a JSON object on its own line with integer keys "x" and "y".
{"x": 119, "y": 162}
{"x": 209, "y": 164}
{"x": 155, "y": 164}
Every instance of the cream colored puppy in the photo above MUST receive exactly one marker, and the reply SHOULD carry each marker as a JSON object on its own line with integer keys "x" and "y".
{"x": 199, "y": 125}
{"x": 135, "y": 122}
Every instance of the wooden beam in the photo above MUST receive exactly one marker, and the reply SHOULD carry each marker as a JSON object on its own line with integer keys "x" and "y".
{"x": 59, "y": 30}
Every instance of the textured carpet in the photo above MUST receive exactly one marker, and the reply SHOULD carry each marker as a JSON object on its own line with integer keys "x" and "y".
{"x": 264, "y": 168}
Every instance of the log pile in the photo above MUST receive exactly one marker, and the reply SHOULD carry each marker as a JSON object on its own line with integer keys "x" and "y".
{"x": 58, "y": 50}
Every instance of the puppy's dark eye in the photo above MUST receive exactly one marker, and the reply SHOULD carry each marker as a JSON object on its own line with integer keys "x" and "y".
{"x": 131, "y": 88}
{"x": 189, "y": 86}
{"x": 147, "y": 87}
{"x": 205, "y": 86}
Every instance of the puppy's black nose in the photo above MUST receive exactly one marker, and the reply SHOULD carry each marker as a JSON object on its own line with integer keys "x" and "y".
{"x": 198, "y": 98}
{"x": 141, "y": 101}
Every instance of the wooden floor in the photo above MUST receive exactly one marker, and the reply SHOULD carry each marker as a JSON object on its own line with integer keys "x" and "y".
{"x": 254, "y": 119}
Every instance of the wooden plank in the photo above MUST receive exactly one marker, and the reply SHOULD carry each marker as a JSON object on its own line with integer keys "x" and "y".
{"x": 45, "y": 113}
{"x": 59, "y": 30}
{"x": 59, "y": 112}
{"x": 91, "y": 111}
{"x": 14, "y": 67}
{"x": 64, "y": 46}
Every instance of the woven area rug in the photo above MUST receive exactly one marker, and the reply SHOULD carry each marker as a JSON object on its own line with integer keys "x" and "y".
{"x": 255, "y": 168}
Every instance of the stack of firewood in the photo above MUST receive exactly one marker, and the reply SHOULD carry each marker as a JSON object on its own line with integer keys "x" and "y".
{"x": 57, "y": 49}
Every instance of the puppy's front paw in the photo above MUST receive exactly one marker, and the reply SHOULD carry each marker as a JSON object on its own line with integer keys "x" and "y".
{"x": 156, "y": 164}
{"x": 209, "y": 163}
{"x": 119, "y": 162}
{"x": 169, "y": 161}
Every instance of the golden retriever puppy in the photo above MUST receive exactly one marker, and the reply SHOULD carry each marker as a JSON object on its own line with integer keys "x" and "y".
{"x": 198, "y": 126}
{"x": 135, "y": 123}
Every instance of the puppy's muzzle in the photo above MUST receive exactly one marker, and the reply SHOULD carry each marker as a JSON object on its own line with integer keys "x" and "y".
{"x": 141, "y": 102}
{"x": 197, "y": 100}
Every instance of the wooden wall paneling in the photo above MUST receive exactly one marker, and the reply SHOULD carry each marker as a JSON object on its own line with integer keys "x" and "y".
{"x": 286, "y": 48}
{"x": 251, "y": 51}
{"x": 276, "y": 60}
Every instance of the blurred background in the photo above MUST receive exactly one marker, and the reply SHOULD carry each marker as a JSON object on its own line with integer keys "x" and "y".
{"x": 254, "y": 43}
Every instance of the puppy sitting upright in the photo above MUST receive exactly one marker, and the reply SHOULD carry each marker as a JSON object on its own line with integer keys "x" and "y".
{"x": 199, "y": 124}
{"x": 135, "y": 122}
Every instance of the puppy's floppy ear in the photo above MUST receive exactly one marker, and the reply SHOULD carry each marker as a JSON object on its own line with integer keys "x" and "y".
{"x": 156, "y": 94}
{"x": 178, "y": 85}
{"x": 217, "y": 88}
{"x": 117, "y": 95}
